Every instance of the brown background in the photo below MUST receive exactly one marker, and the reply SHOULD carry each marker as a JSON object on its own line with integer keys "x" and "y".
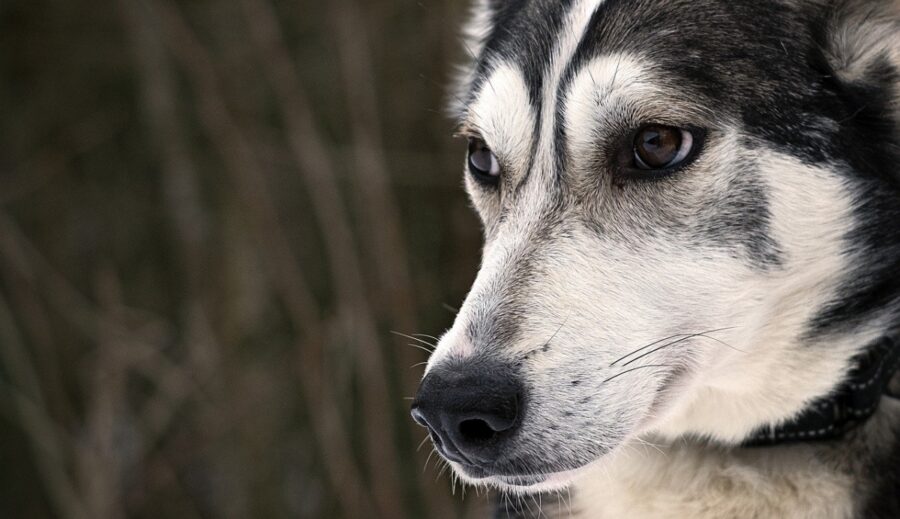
{"x": 212, "y": 216}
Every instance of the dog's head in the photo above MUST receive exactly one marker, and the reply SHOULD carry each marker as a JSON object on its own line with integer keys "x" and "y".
{"x": 690, "y": 212}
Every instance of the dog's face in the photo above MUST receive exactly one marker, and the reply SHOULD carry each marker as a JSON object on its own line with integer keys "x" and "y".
{"x": 675, "y": 197}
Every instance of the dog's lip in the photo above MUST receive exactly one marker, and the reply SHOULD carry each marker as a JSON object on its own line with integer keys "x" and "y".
{"x": 480, "y": 472}
{"x": 475, "y": 471}
{"x": 516, "y": 480}
{"x": 522, "y": 481}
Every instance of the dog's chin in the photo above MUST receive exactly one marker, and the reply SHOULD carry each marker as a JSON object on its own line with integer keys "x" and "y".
{"x": 520, "y": 484}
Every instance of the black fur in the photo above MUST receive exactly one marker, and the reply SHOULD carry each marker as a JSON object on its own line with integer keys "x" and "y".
{"x": 883, "y": 501}
{"x": 868, "y": 141}
{"x": 524, "y": 32}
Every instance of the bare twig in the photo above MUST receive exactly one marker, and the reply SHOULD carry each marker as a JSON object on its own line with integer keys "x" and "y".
{"x": 99, "y": 465}
{"x": 51, "y": 446}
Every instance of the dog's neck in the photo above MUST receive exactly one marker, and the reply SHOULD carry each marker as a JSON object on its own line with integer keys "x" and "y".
{"x": 849, "y": 405}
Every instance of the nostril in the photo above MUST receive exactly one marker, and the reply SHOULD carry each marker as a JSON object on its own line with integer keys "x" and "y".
{"x": 476, "y": 430}
{"x": 483, "y": 427}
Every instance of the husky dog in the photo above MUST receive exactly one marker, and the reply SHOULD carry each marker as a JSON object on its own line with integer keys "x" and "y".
{"x": 689, "y": 299}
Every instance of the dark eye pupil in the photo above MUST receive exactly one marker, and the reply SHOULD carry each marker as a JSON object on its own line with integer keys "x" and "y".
{"x": 480, "y": 156}
{"x": 657, "y": 146}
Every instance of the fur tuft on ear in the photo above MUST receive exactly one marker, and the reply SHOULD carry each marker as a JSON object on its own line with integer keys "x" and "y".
{"x": 864, "y": 42}
{"x": 474, "y": 35}
{"x": 478, "y": 28}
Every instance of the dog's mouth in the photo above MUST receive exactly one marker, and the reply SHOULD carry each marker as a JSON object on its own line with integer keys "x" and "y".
{"x": 522, "y": 481}
{"x": 518, "y": 482}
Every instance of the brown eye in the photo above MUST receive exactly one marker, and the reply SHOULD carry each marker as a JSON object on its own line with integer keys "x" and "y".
{"x": 661, "y": 147}
{"x": 483, "y": 163}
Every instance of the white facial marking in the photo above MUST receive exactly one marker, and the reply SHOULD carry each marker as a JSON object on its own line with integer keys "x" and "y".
{"x": 597, "y": 95}
{"x": 503, "y": 115}
{"x": 570, "y": 35}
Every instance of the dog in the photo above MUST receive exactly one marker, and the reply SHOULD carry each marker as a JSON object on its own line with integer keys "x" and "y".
{"x": 688, "y": 304}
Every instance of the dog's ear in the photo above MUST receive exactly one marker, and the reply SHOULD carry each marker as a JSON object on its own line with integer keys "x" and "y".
{"x": 478, "y": 27}
{"x": 476, "y": 30}
{"x": 862, "y": 44}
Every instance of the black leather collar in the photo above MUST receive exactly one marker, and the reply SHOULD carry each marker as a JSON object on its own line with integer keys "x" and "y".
{"x": 848, "y": 406}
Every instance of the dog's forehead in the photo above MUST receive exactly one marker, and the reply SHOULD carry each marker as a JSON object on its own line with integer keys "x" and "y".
{"x": 756, "y": 64}
{"x": 735, "y": 51}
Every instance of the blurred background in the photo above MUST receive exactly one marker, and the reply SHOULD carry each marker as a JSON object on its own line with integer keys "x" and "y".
{"x": 213, "y": 215}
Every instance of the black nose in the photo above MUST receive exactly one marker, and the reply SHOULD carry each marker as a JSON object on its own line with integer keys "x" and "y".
{"x": 470, "y": 411}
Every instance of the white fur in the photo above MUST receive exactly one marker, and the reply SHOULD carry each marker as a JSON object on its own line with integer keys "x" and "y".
{"x": 474, "y": 34}
{"x": 503, "y": 116}
{"x": 698, "y": 482}
{"x": 775, "y": 374}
